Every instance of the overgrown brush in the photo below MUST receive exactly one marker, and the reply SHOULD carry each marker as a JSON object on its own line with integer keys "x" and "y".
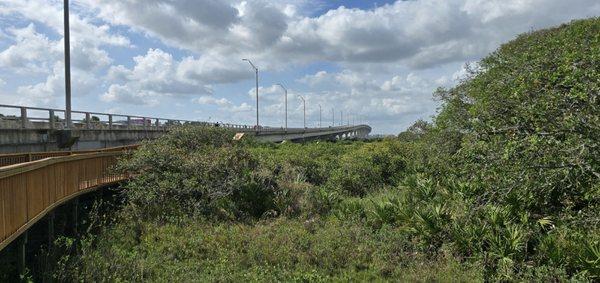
{"x": 503, "y": 185}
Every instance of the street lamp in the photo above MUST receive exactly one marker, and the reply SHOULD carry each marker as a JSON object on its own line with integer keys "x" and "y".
{"x": 320, "y": 111}
{"x": 286, "y": 104}
{"x": 256, "y": 71}
{"x": 304, "y": 103}
{"x": 333, "y": 117}
{"x": 67, "y": 67}
{"x": 341, "y": 117}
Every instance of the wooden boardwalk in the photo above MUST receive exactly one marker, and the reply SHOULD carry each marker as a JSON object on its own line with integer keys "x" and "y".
{"x": 28, "y": 191}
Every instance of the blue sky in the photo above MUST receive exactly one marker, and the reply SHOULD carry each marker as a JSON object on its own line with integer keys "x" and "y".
{"x": 378, "y": 61}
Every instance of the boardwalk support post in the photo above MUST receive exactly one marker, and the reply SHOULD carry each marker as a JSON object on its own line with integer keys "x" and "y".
{"x": 75, "y": 216}
{"x": 51, "y": 217}
{"x": 50, "y": 258}
{"x": 22, "y": 254}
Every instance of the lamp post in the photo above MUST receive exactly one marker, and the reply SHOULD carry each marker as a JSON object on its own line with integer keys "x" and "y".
{"x": 333, "y": 117}
{"x": 341, "y": 117}
{"x": 304, "y": 103}
{"x": 67, "y": 67}
{"x": 320, "y": 111}
{"x": 256, "y": 71}
{"x": 286, "y": 105}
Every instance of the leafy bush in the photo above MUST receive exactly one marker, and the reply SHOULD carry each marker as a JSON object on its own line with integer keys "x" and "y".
{"x": 196, "y": 170}
{"x": 368, "y": 168}
{"x": 528, "y": 122}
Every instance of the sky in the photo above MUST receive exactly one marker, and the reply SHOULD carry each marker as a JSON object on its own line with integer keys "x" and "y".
{"x": 378, "y": 62}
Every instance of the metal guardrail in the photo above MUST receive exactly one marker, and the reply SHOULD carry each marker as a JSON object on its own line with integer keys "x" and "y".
{"x": 28, "y": 191}
{"x": 49, "y": 118}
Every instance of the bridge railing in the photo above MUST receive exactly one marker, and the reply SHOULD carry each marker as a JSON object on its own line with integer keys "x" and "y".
{"x": 28, "y": 191}
{"x": 17, "y": 158}
{"x": 23, "y": 117}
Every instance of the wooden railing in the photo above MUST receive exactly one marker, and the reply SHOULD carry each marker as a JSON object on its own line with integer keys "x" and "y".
{"x": 28, "y": 191}
{"x": 17, "y": 158}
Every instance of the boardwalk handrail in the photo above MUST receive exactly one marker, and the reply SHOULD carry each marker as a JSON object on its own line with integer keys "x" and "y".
{"x": 28, "y": 191}
{"x": 17, "y": 158}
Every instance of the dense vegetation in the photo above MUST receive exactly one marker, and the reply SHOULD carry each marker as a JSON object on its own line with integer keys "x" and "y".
{"x": 504, "y": 184}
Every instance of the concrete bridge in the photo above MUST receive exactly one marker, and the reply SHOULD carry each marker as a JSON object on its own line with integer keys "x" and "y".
{"x": 34, "y": 129}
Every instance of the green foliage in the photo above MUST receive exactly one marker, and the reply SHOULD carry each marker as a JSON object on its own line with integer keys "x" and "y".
{"x": 504, "y": 185}
{"x": 196, "y": 170}
{"x": 280, "y": 250}
{"x": 368, "y": 168}
{"x": 527, "y": 118}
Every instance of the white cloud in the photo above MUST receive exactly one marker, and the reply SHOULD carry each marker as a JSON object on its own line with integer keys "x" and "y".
{"x": 223, "y": 104}
{"x": 154, "y": 76}
{"x": 88, "y": 57}
{"x": 424, "y": 33}
{"x": 209, "y": 100}
{"x": 271, "y": 93}
{"x": 213, "y": 69}
{"x": 32, "y": 52}
{"x": 315, "y": 79}
{"x": 46, "y": 93}
{"x": 50, "y": 13}
{"x": 346, "y": 78}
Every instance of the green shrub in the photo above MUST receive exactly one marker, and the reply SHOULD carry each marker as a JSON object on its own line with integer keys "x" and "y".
{"x": 528, "y": 122}
{"x": 320, "y": 201}
{"x": 183, "y": 173}
{"x": 368, "y": 168}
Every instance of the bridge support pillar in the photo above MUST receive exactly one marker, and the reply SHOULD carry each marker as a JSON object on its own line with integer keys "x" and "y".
{"x": 24, "y": 117}
{"x": 22, "y": 254}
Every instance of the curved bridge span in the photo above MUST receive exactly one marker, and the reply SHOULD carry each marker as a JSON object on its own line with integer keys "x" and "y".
{"x": 33, "y": 129}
